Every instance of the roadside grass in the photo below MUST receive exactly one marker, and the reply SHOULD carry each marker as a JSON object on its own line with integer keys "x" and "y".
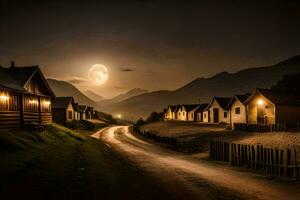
{"x": 62, "y": 163}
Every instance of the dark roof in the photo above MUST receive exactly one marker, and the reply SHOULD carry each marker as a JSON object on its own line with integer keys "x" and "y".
{"x": 172, "y": 107}
{"x": 62, "y": 102}
{"x": 81, "y": 108}
{"x": 189, "y": 107}
{"x": 15, "y": 78}
{"x": 201, "y": 107}
{"x": 279, "y": 98}
{"x": 241, "y": 97}
{"x": 177, "y": 108}
{"x": 222, "y": 101}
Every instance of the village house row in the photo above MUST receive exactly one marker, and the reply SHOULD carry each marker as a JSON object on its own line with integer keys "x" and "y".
{"x": 26, "y": 99}
{"x": 263, "y": 107}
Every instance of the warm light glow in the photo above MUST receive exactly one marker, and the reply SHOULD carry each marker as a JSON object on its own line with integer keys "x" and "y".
{"x": 119, "y": 116}
{"x": 4, "y": 98}
{"x": 260, "y": 102}
{"x": 98, "y": 74}
{"x": 46, "y": 103}
{"x": 33, "y": 102}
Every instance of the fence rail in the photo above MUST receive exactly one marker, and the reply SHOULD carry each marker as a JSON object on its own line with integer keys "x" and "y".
{"x": 260, "y": 127}
{"x": 276, "y": 162}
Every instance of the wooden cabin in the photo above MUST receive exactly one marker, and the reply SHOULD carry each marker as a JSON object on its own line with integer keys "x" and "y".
{"x": 218, "y": 111}
{"x": 81, "y": 112}
{"x": 184, "y": 110}
{"x": 63, "y": 110}
{"x": 89, "y": 112}
{"x": 170, "y": 112}
{"x": 199, "y": 112}
{"x": 25, "y": 97}
{"x": 268, "y": 107}
{"x": 238, "y": 111}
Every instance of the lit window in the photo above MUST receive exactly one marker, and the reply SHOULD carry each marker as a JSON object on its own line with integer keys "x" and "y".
{"x": 237, "y": 110}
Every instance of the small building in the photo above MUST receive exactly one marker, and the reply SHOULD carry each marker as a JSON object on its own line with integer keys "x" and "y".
{"x": 199, "y": 112}
{"x": 238, "y": 110}
{"x": 268, "y": 107}
{"x": 63, "y": 110}
{"x": 25, "y": 97}
{"x": 184, "y": 112}
{"x": 81, "y": 112}
{"x": 218, "y": 111}
{"x": 89, "y": 112}
{"x": 170, "y": 112}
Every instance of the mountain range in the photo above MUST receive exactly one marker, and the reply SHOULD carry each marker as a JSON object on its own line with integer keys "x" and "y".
{"x": 140, "y": 103}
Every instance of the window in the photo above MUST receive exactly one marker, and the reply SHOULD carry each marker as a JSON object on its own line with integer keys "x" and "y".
{"x": 70, "y": 114}
{"x": 225, "y": 114}
{"x": 205, "y": 115}
{"x": 192, "y": 115}
{"x": 237, "y": 110}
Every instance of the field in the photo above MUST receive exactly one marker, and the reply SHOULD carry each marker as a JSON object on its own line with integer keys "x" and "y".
{"x": 195, "y": 137}
{"x": 61, "y": 163}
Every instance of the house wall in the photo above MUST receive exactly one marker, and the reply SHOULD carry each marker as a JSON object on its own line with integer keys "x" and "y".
{"x": 290, "y": 115}
{"x": 238, "y": 118}
{"x": 182, "y": 114}
{"x": 222, "y": 118}
{"x": 59, "y": 115}
{"x": 205, "y": 116}
{"x": 69, "y": 109}
{"x": 191, "y": 116}
{"x": 268, "y": 110}
{"x": 9, "y": 109}
{"x": 169, "y": 114}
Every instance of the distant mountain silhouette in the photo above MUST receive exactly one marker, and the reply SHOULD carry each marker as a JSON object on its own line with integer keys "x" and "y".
{"x": 93, "y": 96}
{"x": 203, "y": 89}
{"x": 122, "y": 97}
{"x": 62, "y": 89}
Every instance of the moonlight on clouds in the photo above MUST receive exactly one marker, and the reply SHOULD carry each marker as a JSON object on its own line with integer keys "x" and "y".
{"x": 98, "y": 74}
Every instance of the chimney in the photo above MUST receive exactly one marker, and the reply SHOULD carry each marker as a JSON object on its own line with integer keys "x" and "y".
{"x": 12, "y": 64}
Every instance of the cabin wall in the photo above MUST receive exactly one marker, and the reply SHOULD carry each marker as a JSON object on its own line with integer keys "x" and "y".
{"x": 169, "y": 114}
{"x": 191, "y": 116}
{"x": 205, "y": 116}
{"x": 69, "y": 113}
{"x": 238, "y": 117}
{"x": 59, "y": 115}
{"x": 221, "y": 111}
{"x": 9, "y": 109}
{"x": 182, "y": 114}
{"x": 290, "y": 115}
{"x": 267, "y": 107}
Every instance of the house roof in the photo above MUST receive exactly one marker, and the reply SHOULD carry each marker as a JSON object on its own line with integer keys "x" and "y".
{"x": 222, "y": 101}
{"x": 177, "y": 108}
{"x": 240, "y": 97}
{"x": 201, "y": 108}
{"x": 16, "y": 78}
{"x": 81, "y": 108}
{"x": 62, "y": 102}
{"x": 277, "y": 98}
{"x": 189, "y": 107}
{"x": 172, "y": 107}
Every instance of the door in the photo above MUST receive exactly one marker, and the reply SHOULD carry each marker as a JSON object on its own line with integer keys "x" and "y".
{"x": 216, "y": 115}
{"x": 260, "y": 115}
{"x": 208, "y": 115}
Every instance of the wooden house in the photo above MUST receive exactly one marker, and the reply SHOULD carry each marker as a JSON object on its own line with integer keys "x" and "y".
{"x": 199, "y": 112}
{"x": 268, "y": 107}
{"x": 89, "y": 112}
{"x": 81, "y": 112}
{"x": 63, "y": 110}
{"x": 238, "y": 111}
{"x": 25, "y": 97}
{"x": 170, "y": 112}
{"x": 184, "y": 110}
{"x": 218, "y": 111}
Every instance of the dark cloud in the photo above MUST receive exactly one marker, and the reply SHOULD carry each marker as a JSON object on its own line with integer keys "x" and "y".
{"x": 77, "y": 80}
{"x": 127, "y": 70}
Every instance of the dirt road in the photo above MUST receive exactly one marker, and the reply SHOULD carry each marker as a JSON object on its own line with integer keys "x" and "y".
{"x": 191, "y": 178}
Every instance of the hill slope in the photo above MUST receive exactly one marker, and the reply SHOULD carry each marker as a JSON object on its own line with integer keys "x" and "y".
{"x": 93, "y": 96}
{"x": 203, "y": 89}
{"x": 62, "y": 89}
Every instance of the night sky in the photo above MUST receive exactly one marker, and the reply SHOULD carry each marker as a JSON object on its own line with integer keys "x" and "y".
{"x": 147, "y": 44}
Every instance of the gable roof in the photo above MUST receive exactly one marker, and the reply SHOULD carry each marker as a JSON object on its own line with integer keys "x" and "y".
{"x": 81, "y": 108}
{"x": 16, "y": 78}
{"x": 240, "y": 97}
{"x": 172, "y": 107}
{"x": 201, "y": 108}
{"x": 62, "y": 102}
{"x": 177, "y": 108}
{"x": 277, "y": 98}
{"x": 222, "y": 101}
{"x": 190, "y": 107}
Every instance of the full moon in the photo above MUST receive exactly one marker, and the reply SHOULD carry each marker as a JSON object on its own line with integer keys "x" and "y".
{"x": 98, "y": 74}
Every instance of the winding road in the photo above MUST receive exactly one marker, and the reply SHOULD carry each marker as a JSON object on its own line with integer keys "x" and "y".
{"x": 192, "y": 178}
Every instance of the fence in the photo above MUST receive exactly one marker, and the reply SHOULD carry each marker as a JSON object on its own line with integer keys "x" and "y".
{"x": 259, "y": 127}
{"x": 276, "y": 162}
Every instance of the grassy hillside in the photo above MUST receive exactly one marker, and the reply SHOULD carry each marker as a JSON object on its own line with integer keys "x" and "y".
{"x": 60, "y": 163}
{"x": 203, "y": 89}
